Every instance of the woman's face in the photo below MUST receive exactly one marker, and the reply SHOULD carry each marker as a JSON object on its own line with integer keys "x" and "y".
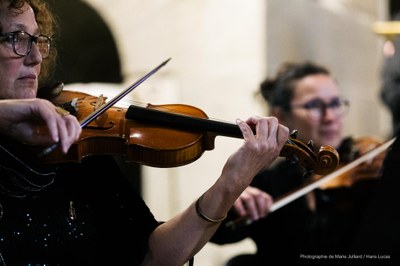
{"x": 321, "y": 125}
{"x": 18, "y": 74}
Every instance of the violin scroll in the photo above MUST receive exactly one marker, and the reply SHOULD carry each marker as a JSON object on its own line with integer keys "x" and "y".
{"x": 327, "y": 160}
{"x": 324, "y": 162}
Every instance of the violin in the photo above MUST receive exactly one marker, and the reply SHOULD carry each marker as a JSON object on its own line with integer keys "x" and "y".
{"x": 167, "y": 135}
{"x": 370, "y": 169}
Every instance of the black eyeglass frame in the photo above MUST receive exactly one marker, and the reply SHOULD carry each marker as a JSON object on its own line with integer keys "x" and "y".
{"x": 31, "y": 39}
{"x": 321, "y": 106}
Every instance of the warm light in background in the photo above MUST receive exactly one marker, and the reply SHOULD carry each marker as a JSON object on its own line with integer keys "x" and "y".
{"x": 388, "y": 48}
{"x": 388, "y": 29}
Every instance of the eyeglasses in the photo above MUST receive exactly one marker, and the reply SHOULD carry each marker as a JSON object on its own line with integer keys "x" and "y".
{"x": 22, "y": 42}
{"x": 317, "y": 108}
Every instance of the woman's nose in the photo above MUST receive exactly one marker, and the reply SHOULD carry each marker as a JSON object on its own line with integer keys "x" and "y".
{"x": 34, "y": 57}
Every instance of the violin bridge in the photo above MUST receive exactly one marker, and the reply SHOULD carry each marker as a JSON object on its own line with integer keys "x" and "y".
{"x": 101, "y": 100}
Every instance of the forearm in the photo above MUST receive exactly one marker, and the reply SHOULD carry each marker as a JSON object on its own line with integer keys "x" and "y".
{"x": 5, "y": 112}
{"x": 179, "y": 239}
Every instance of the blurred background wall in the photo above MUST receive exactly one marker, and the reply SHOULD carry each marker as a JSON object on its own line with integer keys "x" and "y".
{"x": 221, "y": 50}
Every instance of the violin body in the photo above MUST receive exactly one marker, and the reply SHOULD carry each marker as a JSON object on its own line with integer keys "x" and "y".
{"x": 146, "y": 143}
{"x": 104, "y": 135}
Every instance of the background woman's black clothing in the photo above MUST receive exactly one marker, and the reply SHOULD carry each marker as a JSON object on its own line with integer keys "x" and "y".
{"x": 379, "y": 231}
{"x": 294, "y": 230}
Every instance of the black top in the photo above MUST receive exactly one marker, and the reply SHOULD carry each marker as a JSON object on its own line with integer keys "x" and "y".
{"x": 88, "y": 213}
{"x": 379, "y": 231}
{"x": 293, "y": 230}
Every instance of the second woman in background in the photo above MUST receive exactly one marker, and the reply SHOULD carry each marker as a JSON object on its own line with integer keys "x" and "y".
{"x": 305, "y": 97}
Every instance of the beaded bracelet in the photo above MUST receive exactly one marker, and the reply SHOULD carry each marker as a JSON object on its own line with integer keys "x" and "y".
{"x": 201, "y": 214}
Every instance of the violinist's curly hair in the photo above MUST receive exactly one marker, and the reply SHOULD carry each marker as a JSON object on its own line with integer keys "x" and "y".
{"x": 46, "y": 23}
{"x": 278, "y": 91}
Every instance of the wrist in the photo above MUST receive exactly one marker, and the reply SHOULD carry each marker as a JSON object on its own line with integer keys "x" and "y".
{"x": 205, "y": 217}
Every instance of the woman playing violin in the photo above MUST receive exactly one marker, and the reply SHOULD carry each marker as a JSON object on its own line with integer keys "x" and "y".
{"x": 87, "y": 213}
{"x": 304, "y": 97}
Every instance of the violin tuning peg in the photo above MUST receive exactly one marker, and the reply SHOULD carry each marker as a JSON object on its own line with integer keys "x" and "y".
{"x": 311, "y": 145}
{"x": 294, "y": 134}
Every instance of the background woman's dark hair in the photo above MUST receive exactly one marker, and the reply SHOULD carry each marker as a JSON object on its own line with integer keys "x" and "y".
{"x": 46, "y": 24}
{"x": 278, "y": 91}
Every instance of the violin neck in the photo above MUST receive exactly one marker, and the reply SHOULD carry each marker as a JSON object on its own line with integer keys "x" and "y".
{"x": 182, "y": 121}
